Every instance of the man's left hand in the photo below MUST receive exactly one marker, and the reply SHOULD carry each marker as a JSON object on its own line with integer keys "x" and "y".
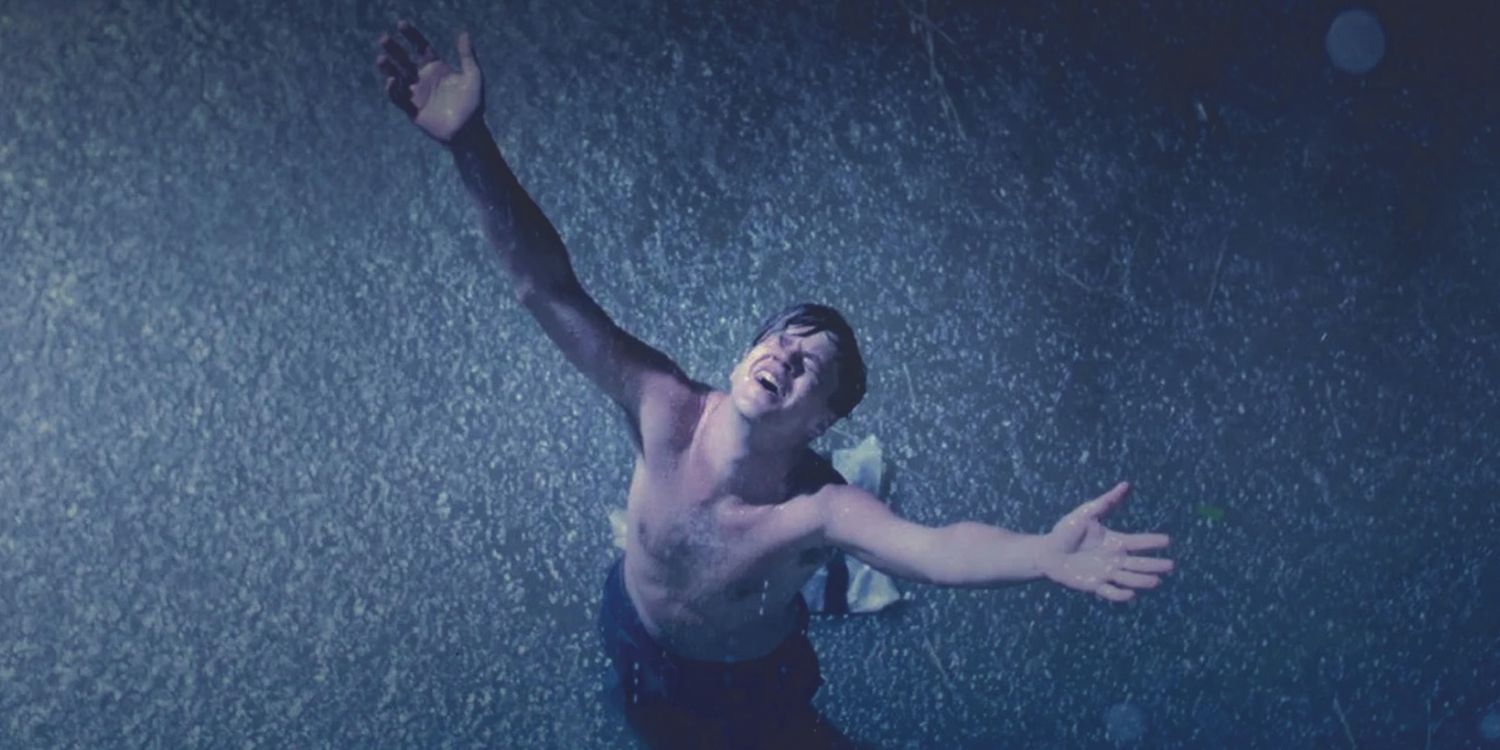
{"x": 1081, "y": 554}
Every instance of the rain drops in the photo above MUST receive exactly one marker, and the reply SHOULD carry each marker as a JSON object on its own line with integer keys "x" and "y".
{"x": 1355, "y": 42}
{"x": 1124, "y": 724}
{"x": 1489, "y": 726}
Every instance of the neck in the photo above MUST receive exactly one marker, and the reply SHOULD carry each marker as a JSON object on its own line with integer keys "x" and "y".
{"x": 746, "y": 457}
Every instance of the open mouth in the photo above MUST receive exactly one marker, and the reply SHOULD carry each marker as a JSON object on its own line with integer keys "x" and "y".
{"x": 767, "y": 382}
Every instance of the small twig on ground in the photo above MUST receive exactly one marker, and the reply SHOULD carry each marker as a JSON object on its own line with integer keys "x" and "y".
{"x": 950, "y": 112}
{"x": 1340, "y": 711}
{"x": 964, "y": 697}
{"x": 1432, "y": 726}
{"x": 1065, "y": 273}
{"x": 1212, "y": 287}
{"x": 910, "y": 390}
{"x": 923, "y": 19}
{"x": 1099, "y": 288}
{"x": 1129, "y": 258}
{"x": 932, "y": 653}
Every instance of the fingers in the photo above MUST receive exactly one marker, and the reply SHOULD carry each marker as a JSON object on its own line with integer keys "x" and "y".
{"x": 466, "y": 54}
{"x": 1138, "y": 542}
{"x": 1114, "y": 593}
{"x": 400, "y": 70}
{"x": 401, "y": 95}
{"x": 390, "y": 69}
{"x": 1135, "y": 580}
{"x": 1103, "y": 503}
{"x": 1146, "y": 565}
{"x": 396, "y": 62}
{"x": 418, "y": 42}
{"x": 1115, "y": 494}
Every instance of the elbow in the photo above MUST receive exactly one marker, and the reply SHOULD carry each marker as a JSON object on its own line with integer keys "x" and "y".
{"x": 531, "y": 290}
{"x": 943, "y": 575}
{"x": 545, "y": 281}
{"x": 526, "y": 290}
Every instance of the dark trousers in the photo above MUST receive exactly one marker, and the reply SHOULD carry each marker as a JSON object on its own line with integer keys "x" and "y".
{"x": 677, "y": 702}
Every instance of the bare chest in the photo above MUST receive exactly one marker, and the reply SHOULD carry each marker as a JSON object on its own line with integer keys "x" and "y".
{"x": 703, "y": 547}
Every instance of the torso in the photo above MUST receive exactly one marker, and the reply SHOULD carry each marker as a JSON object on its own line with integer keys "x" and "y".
{"x": 716, "y": 576}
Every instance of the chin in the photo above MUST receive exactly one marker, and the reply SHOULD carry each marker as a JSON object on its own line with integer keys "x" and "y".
{"x": 752, "y": 404}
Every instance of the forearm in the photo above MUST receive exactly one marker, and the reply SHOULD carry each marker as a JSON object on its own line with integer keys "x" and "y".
{"x": 531, "y": 250}
{"x": 974, "y": 554}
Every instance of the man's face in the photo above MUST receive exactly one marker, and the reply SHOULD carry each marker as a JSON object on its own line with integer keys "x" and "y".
{"x": 787, "y": 379}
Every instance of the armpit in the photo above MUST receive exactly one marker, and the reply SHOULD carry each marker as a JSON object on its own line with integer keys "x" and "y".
{"x": 813, "y": 473}
{"x": 815, "y": 556}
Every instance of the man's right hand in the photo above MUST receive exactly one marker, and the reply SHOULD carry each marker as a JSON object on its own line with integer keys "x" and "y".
{"x": 440, "y": 100}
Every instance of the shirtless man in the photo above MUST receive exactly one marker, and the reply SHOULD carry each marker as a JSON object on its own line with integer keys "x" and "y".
{"x": 729, "y": 510}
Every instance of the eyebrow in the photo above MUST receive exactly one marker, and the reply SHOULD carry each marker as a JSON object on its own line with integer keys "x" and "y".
{"x": 808, "y": 331}
{"x": 817, "y": 359}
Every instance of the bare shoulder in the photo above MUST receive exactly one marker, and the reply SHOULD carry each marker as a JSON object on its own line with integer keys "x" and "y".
{"x": 669, "y": 410}
{"x": 812, "y": 489}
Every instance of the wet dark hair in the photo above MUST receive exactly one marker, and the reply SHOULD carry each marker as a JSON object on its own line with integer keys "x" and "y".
{"x": 851, "y": 366}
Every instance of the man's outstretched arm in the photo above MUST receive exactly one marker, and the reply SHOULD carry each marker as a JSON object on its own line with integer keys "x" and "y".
{"x": 448, "y": 106}
{"x": 1079, "y": 552}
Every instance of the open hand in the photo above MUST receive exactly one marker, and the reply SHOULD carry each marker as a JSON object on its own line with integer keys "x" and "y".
{"x": 440, "y": 100}
{"x": 1081, "y": 554}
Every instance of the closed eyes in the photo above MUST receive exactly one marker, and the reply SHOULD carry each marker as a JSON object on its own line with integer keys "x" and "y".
{"x": 807, "y": 361}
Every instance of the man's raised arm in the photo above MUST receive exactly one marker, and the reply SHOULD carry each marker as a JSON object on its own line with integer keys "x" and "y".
{"x": 448, "y": 105}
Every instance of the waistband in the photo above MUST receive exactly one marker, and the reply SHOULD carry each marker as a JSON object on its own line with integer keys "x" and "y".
{"x": 618, "y": 608}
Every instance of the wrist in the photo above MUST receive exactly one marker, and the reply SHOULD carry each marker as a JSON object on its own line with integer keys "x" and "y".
{"x": 473, "y": 135}
{"x": 1046, "y": 558}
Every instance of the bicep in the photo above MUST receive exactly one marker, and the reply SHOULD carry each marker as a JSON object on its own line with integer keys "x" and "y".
{"x": 863, "y": 526}
{"x": 632, "y": 373}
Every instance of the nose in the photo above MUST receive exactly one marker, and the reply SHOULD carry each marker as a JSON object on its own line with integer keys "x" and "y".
{"x": 789, "y": 355}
